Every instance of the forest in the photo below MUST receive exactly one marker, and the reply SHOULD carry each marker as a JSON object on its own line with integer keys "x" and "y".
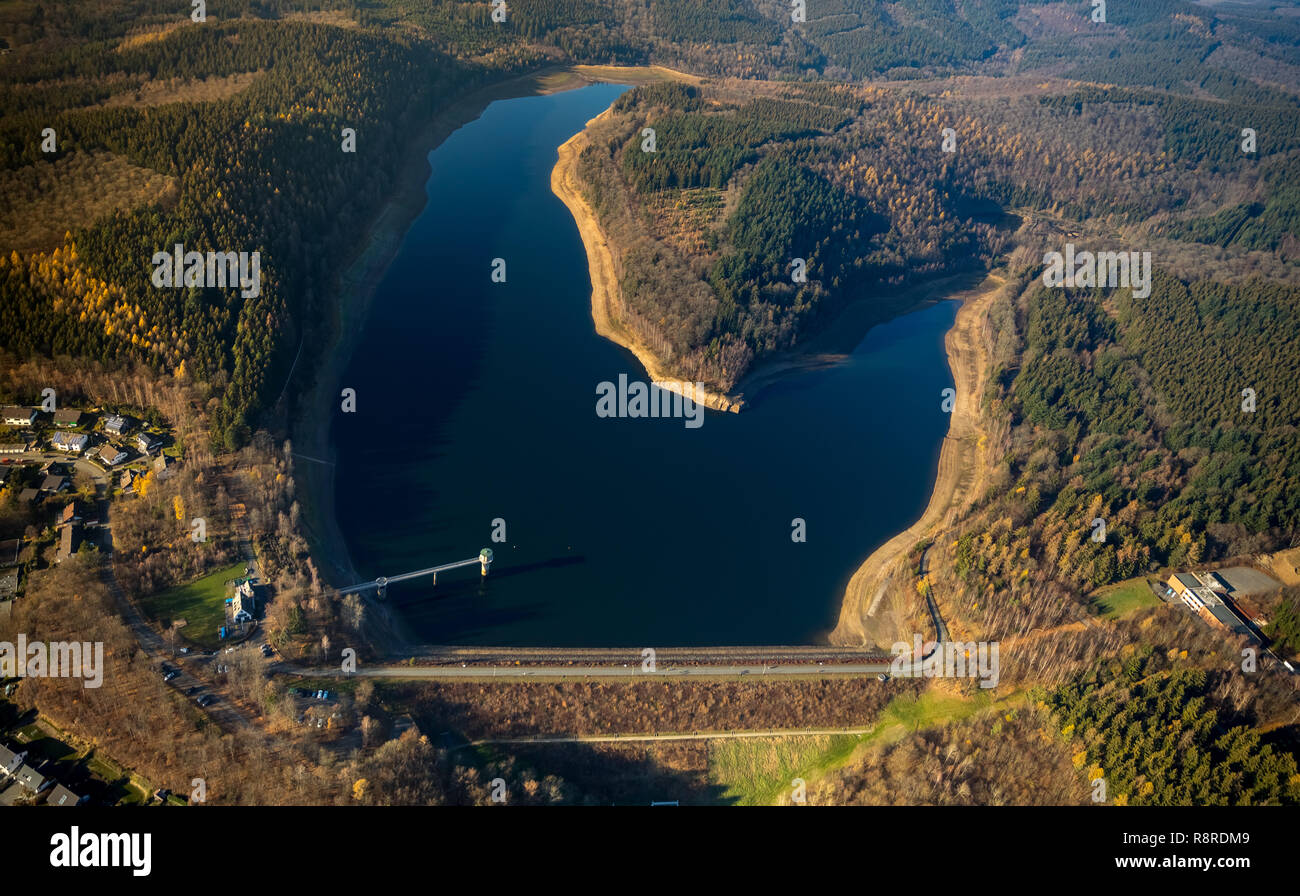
{"x": 1117, "y": 417}
{"x": 92, "y": 296}
{"x": 1158, "y": 740}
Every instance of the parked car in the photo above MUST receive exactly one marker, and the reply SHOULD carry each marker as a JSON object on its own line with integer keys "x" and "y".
{"x": 170, "y": 675}
{"x": 266, "y": 650}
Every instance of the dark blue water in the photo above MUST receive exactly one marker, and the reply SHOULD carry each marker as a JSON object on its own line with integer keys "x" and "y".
{"x": 477, "y": 401}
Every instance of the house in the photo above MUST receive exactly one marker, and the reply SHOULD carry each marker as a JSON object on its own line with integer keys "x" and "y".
{"x": 69, "y": 515}
{"x": 13, "y": 447}
{"x": 1204, "y": 593}
{"x": 31, "y": 779}
{"x": 244, "y": 605}
{"x": 9, "y": 550}
{"x": 128, "y": 480}
{"x": 67, "y": 417}
{"x": 28, "y": 495}
{"x": 243, "y": 608}
{"x": 110, "y": 455}
{"x": 116, "y": 424}
{"x": 161, "y": 466}
{"x": 71, "y": 442}
{"x": 54, "y": 484}
{"x": 10, "y": 761}
{"x": 19, "y": 416}
{"x": 69, "y": 542}
{"x": 62, "y": 796}
{"x": 147, "y": 442}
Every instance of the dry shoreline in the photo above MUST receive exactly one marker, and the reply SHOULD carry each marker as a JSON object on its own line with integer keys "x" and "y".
{"x": 963, "y": 467}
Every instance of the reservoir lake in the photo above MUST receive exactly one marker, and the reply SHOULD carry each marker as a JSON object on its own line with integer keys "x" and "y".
{"x": 476, "y": 401}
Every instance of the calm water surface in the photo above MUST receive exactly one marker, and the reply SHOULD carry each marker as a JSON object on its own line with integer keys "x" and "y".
{"x": 476, "y": 401}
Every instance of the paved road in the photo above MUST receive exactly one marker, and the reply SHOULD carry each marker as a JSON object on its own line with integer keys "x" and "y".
{"x": 552, "y": 664}
{"x": 631, "y": 670}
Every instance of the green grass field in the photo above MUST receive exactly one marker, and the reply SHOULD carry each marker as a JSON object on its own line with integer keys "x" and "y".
{"x": 758, "y": 771}
{"x": 201, "y": 603}
{"x": 1124, "y": 597}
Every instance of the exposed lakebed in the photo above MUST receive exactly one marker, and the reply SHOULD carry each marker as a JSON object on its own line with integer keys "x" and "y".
{"x": 477, "y": 401}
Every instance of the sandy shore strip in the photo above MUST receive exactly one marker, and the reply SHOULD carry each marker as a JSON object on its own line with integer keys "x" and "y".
{"x": 963, "y": 468}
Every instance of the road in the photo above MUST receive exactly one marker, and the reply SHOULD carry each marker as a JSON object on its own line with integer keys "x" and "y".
{"x": 557, "y": 664}
{"x": 940, "y": 629}
{"x": 559, "y": 673}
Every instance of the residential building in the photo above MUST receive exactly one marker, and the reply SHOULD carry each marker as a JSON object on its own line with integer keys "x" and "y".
{"x": 67, "y": 417}
{"x": 162, "y": 465}
{"x": 115, "y": 424}
{"x": 62, "y": 796}
{"x": 31, "y": 779}
{"x": 70, "y": 539}
{"x": 13, "y": 447}
{"x": 10, "y": 761}
{"x": 70, "y": 514}
{"x": 71, "y": 442}
{"x": 18, "y": 416}
{"x": 147, "y": 442}
{"x": 244, "y": 606}
{"x": 29, "y": 495}
{"x": 110, "y": 455}
{"x": 54, "y": 484}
